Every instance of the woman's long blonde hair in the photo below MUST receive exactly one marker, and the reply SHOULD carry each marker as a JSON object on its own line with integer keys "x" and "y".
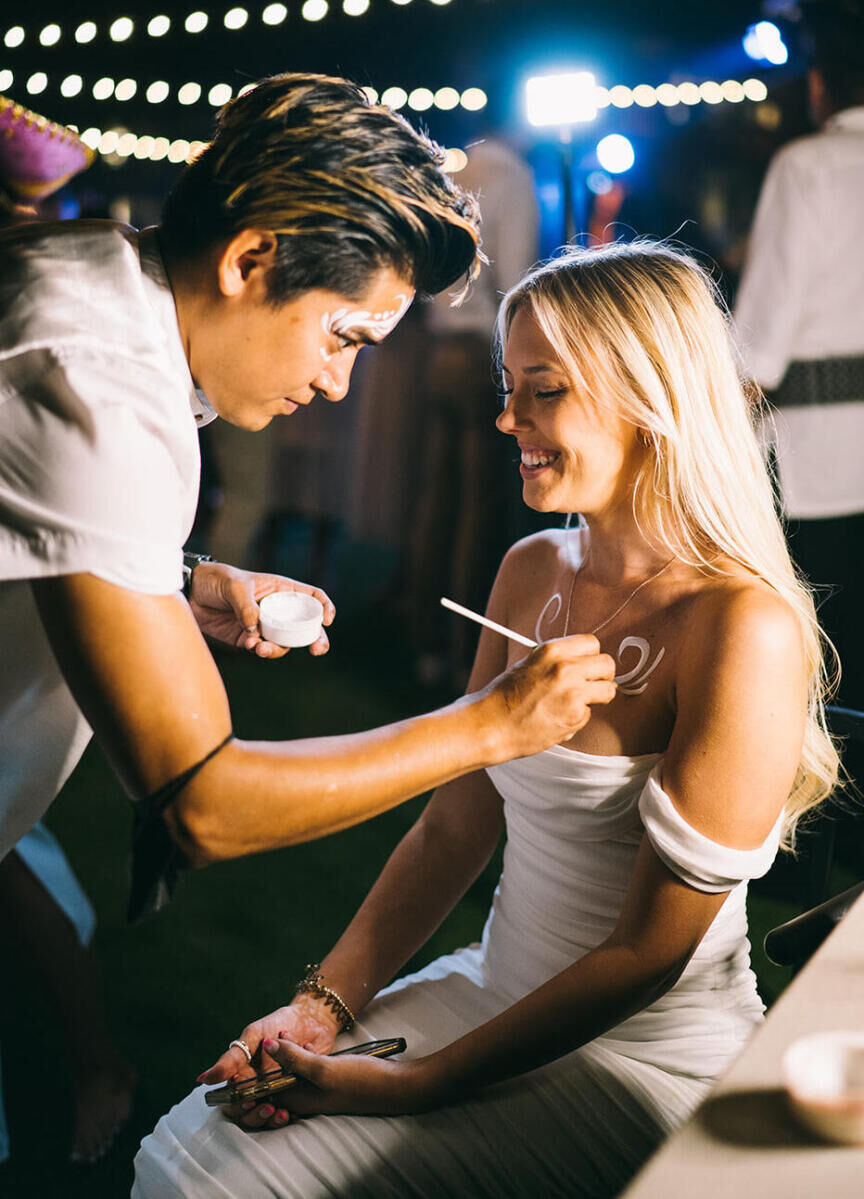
{"x": 641, "y": 326}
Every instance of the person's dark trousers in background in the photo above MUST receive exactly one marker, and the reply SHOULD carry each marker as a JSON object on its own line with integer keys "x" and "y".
{"x": 831, "y": 554}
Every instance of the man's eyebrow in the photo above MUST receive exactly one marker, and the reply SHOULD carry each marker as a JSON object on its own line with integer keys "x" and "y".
{"x": 359, "y": 335}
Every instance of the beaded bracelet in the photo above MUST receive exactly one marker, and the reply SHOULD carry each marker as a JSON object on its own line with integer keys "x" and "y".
{"x": 313, "y": 984}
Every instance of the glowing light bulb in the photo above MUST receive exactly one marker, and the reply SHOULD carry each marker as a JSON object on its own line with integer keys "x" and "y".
{"x": 688, "y": 93}
{"x": 314, "y": 10}
{"x": 710, "y": 92}
{"x": 473, "y": 99}
{"x": 754, "y": 89}
{"x": 219, "y": 94}
{"x": 644, "y": 95}
{"x": 189, "y": 93}
{"x": 157, "y": 91}
{"x": 667, "y": 95}
{"x": 125, "y": 89}
{"x": 446, "y": 98}
{"x": 85, "y": 33}
{"x": 50, "y": 35}
{"x": 144, "y": 146}
{"x": 420, "y": 99}
{"x": 355, "y": 8}
{"x": 274, "y": 14}
{"x": 196, "y": 22}
{"x": 121, "y": 29}
{"x": 732, "y": 91}
{"x": 103, "y": 88}
{"x": 178, "y": 151}
{"x": 394, "y": 97}
{"x": 71, "y": 86}
{"x": 236, "y": 18}
{"x": 455, "y": 160}
{"x": 90, "y": 137}
{"x": 621, "y": 96}
{"x": 6, "y": 80}
{"x": 13, "y": 37}
{"x": 37, "y": 83}
{"x": 370, "y": 94}
{"x": 108, "y": 141}
{"x": 615, "y": 153}
{"x": 158, "y": 26}
{"x": 160, "y": 149}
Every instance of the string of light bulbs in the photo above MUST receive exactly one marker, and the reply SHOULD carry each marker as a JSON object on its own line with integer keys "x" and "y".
{"x": 122, "y": 28}
{"x": 419, "y": 99}
{"x": 119, "y": 144}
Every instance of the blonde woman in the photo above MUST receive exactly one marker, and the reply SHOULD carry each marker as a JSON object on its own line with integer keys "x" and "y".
{"x": 613, "y": 981}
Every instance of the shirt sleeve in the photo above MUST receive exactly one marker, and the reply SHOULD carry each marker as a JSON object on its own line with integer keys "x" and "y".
{"x": 696, "y": 859}
{"x": 89, "y": 481}
{"x": 773, "y": 292}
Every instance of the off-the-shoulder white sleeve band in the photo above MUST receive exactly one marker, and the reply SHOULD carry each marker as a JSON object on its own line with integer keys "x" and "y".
{"x": 695, "y": 858}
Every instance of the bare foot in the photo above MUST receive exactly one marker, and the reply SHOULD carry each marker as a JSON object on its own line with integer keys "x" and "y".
{"x": 103, "y": 1101}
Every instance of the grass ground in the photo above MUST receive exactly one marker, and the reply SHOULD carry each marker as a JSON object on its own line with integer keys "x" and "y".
{"x": 238, "y": 935}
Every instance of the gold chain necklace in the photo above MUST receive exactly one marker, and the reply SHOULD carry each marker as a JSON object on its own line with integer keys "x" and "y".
{"x": 621, "y": 607}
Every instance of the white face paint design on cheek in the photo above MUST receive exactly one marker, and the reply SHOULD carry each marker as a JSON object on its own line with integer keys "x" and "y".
{"x": 377, "y": 325}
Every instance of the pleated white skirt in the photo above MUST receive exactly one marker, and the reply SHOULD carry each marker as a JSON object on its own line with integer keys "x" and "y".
{"x": 579, "y": 1127}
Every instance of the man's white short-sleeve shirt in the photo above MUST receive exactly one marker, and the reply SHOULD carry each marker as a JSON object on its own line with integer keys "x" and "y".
{"x": 99, "y": 465}
{"x": 802, "y": 298}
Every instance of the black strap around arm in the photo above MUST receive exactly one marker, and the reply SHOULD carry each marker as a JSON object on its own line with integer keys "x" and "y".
{"x": 157, "y": 861}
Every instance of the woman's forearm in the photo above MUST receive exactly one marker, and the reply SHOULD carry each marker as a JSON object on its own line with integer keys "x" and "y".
{"x": 427, "y": 874}
{"x": 587, "y": 999}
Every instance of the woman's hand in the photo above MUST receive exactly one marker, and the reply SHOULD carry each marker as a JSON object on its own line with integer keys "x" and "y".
{"x": 346, "y": 1084}
{"x": 224, "y": 601}
{"x": 307, "y": 1021}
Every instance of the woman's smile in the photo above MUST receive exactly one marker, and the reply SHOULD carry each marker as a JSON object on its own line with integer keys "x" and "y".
{"x": 536, "y": 459}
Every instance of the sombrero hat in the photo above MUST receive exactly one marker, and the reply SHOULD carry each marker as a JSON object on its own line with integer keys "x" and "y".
{"x": 37, "y": 156}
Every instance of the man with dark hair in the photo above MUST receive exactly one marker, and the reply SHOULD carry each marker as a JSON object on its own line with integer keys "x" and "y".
{"x": 800, "y": 317}
{"x": 301, "y": 234}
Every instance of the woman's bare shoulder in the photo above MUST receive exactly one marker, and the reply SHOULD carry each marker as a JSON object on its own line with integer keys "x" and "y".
{"x": 544, "y": 549}
{"x": 737, "y": 614}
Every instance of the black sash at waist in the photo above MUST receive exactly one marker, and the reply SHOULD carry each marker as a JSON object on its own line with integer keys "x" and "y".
{"x": 821, "y": 381}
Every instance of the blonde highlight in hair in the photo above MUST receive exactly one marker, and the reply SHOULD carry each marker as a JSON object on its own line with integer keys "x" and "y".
{"x": 346, "y": 186}
{"x": 642, "y": 327}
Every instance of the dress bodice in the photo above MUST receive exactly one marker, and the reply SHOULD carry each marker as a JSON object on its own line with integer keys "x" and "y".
{"x": 573, "y": 830}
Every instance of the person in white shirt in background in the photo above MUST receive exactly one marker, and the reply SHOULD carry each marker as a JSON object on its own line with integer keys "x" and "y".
{"x": 800, "y": 321}
{"x": 465, "y": 509}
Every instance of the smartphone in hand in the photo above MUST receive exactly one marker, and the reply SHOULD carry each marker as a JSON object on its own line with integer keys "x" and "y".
{"x": 262, "y": 1086}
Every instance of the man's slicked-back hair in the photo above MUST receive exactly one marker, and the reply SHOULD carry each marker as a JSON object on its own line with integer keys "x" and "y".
{"x": 348, "y": 187}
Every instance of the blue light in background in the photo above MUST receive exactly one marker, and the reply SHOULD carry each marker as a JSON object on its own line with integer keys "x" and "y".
{"x": 599, "y": 183}
{"x": 615, "y": 153}
{"x": 763, "y": 42}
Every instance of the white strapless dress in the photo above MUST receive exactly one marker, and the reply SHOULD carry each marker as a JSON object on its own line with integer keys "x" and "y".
{"x": 580, "y": 1126}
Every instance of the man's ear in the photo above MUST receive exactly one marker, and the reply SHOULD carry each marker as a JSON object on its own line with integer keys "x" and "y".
{"x": 248, "y": 256}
